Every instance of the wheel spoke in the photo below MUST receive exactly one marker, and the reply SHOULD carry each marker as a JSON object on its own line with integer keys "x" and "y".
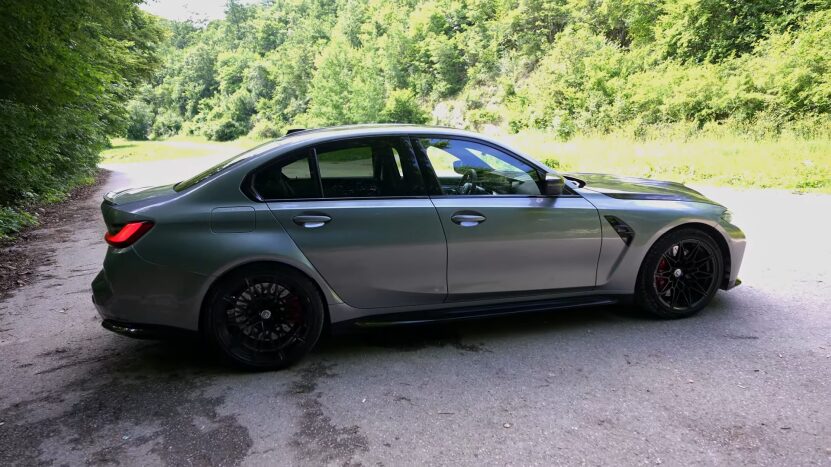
{"x": 264, "y": 317}
{"x": 685, "y": 274}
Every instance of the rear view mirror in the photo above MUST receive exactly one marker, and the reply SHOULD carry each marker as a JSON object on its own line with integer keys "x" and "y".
{"x": 554, "y": 184}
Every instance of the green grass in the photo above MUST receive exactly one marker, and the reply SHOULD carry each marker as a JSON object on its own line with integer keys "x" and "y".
{"x": 123, "y": 151}
{"x": 786, "y": 162}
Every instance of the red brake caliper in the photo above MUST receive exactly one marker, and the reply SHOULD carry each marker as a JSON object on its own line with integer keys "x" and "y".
{"x": 294, "y": 309}
{"x": 661, "y": 281}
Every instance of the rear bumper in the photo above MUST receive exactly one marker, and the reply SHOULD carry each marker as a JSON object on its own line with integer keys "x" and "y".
{"x": 145, "y": 331}
{"x": 133, "y": 293}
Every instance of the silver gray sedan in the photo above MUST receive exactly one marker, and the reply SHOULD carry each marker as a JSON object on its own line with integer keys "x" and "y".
{"x": 385, "y": 225}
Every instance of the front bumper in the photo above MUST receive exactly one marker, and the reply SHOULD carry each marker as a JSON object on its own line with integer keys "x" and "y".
{"x": 733, "y": 284}
{"x": 736, "y": 243}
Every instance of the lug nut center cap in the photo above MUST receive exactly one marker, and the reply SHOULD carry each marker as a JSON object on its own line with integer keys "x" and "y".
{"x": 678, "y": 273}
{"x": 265, "y": 314}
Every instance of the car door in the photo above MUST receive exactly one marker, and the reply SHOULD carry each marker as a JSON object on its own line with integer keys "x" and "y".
{"x": 359, "y": 212}
{"x": 504, "y": 237}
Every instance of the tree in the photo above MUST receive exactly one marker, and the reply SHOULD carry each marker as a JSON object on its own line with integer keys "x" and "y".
{"x": 69, "y": 67}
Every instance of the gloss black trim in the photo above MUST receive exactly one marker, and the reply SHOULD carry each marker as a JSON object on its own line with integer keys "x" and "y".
{"x": 624, "y": 230}
{"x": 652, "y": 197}
{"x": 145, "y": 331}
{"x": 475, "y": 312}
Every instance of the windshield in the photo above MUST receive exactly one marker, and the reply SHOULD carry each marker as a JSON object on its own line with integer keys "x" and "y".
{"x": 185, "y": 184}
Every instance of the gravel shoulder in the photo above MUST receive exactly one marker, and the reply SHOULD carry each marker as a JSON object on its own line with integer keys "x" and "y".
{"x": 747, "y": 381}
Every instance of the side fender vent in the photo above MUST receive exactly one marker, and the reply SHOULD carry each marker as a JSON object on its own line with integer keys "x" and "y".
{"x": 627, "y": 234}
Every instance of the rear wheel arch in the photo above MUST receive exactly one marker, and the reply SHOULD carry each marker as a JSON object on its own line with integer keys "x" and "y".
{"x": 259, "y": 264}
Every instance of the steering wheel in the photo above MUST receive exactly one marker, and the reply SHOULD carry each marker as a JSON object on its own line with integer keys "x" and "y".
{"x": 468, "y": 182}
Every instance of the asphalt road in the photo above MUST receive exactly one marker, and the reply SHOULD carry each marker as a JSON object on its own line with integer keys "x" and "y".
{"x": 748, "y": 381}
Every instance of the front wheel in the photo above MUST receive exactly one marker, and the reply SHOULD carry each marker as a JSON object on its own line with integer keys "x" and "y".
{"x": 264, "y": 317}
{"x": 680, "y": 274}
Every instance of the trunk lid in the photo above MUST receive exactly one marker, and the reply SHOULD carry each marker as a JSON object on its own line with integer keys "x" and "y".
{"x": 124, "y": 206}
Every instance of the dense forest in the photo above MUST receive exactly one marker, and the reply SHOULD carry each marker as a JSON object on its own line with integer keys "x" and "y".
{"x": 563, "y": 66}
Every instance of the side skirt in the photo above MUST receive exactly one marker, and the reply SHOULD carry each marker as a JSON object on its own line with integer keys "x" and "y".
{"x": 474, "y": 312}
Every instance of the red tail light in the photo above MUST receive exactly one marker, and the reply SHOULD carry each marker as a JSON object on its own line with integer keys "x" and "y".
{"x": 128, "y": 234}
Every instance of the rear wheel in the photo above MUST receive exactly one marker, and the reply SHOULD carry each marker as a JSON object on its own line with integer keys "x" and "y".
{"x": 680, "y": 274}
{"x": 264, "y": 317}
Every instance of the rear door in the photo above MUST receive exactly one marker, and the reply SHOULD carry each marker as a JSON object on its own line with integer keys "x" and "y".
{"x": 504, "y": 237}
{"x": 359, "y": 212}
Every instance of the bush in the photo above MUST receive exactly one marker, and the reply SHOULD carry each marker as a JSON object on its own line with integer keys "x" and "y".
{"x": 264, "y": 129}
{"x": 139, "y": 120}
{"x": 167, "y": 123}
{"x": 224, "y": 130}
{"x": 13, "y": 221}
{"x": 402, "y": 107}
{"x": 479, "y": 117}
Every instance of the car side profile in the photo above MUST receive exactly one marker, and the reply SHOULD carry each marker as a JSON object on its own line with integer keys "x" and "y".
{"x": 383, "y": 225}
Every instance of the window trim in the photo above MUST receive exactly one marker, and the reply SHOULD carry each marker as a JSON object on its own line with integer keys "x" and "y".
{"x": 310, "y": 151}
{"x": 421, "y": 158}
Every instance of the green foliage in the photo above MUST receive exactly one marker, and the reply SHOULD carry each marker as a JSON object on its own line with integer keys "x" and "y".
{"x": 569, "y": 67}
{"x": 402, "y": 107}
{"x": 139, "y": 120}
{"x": 69, "y": 67}
{"x": 13, "y": 221}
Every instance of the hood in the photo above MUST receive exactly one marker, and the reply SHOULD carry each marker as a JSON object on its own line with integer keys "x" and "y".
{"x": 132, "y": 195}
{"x": 639, "y": 188}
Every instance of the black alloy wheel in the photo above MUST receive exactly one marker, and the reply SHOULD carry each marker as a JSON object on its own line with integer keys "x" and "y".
{"x": 680, "y": 274}
{"x": 264, "y": 317}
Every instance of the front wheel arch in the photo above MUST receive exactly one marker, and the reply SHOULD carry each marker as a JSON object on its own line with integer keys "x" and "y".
{"x": 645, "y": 296}
{"x": 711, "y": 232}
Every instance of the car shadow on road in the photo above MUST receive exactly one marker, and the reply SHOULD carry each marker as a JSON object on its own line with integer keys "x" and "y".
{"x": 615, "y": 323}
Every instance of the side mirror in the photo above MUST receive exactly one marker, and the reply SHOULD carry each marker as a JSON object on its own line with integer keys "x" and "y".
{"x": 554, "y": 184}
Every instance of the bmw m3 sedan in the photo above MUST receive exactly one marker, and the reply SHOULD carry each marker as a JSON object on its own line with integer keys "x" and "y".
{"x": 384, "y": 225}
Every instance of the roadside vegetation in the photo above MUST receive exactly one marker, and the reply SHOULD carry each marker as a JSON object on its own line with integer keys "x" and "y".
{"x": 68, "y": 67}
{"x": 784, "y": 162}
{"x": 713, "y": 91}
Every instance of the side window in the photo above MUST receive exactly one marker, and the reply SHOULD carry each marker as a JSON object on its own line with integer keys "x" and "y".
{"x": 469, "y": 168}
{"x": 368, "y": 168}
{"x": 287, "y": 180}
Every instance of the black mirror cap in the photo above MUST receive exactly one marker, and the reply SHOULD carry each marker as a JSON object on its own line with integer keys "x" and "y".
{"x": 554, "y": 184}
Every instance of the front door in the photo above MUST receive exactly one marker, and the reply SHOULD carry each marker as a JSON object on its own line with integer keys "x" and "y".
{"x": 361, "y": 216}
{"x": 504, "y": 237}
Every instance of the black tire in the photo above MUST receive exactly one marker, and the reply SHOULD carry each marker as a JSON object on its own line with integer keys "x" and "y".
{"x": 263, "y": 317}
{"x": 680, "y": 274}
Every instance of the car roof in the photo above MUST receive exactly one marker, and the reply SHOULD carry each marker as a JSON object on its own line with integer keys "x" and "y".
{"x": 318, "y": 135}
{"x": 346, "y": 131}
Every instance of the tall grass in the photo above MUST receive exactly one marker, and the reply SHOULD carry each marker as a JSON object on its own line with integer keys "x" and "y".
{"x": 788, "y": 160}
{"x": 177, "y": 147}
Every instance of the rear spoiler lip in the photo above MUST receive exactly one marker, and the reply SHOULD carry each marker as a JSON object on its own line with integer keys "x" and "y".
{"x": 111, "y": 195}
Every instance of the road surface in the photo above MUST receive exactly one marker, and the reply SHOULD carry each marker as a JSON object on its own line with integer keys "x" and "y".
{"x": 746, "y": 381}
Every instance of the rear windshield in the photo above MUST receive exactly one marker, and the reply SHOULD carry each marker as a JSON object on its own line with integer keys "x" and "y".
{"x": 185, "y": 184}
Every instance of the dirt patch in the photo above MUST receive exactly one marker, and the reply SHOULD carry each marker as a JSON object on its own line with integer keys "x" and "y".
{"x": 318, "y": 440}
{"x": 21, "y": 257}
{"x": 409, "y": 340}
{"x": 146, "y": 403}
